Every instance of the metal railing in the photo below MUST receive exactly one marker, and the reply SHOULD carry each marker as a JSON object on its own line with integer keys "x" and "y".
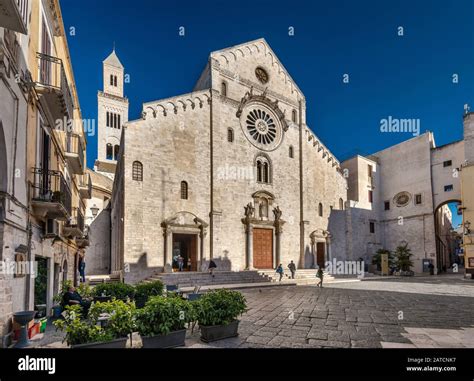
{"x": 76, "y": 220}
{"x": 23, "y": 9}
{"x": 51, "y": 186}
{"x": 52, "y": 75}
{"x": 74, "y": 145}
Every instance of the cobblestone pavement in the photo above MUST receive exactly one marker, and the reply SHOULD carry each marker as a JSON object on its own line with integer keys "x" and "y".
{"x": 415, "y": 312}
{"x": 422, "y": 312}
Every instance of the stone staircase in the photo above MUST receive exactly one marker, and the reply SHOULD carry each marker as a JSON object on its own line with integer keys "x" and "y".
{"x": 226, "y": 279}
{"x": 302, "y": 277}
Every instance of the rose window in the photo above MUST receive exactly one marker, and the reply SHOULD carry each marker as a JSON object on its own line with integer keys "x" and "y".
{"x": 261, "y": 126}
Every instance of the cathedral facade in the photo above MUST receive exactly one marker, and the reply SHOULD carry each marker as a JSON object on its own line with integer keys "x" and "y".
{"x": 229, "y": 172}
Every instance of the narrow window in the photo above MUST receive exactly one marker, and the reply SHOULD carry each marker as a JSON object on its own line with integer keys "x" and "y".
{"x": 341, "y": 204}
{"x": 115, "y": 80}
{"x": 111, "y": 80}
{"x": 137, "y": 171}
{"x": 109, "y": 152}
{"x": 291, "y": 152}
{"x": 294, "y": 116}
{"x": 119, "y": 124}
{"x": 369, "y": 171}
{"x": 448, "y": 188}
{"x": 224, "y": 89}
{"x": 418, "y": 199}
{"x": 320, "y": 210}
{"x": 184, "y": 190}
{"x": 116, "y": 151}
{"x": 447, "y": 163}
{"x": 372, "y": 227}
{"x": 108, "y": 119}
{"x": 115, "y": 120}
{"x": 386, "y": 205}
{"x": 230, "y": 135}
{"x": 266, "y": 173}
{"x": 259, "y": 171}
{"x": 371, "y": 196}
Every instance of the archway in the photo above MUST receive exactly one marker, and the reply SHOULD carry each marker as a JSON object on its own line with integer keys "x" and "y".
{"x": 447, "y": 219}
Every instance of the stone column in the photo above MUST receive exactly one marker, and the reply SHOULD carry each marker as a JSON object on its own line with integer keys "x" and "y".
{"x": 202, "y": 236}
{"x": 278, "y": 233}
{"x": 249, "y": 246}
{"x": 168, "y": 249}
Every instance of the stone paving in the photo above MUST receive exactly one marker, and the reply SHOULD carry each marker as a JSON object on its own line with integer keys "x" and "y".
{"x": 418, "y": 312}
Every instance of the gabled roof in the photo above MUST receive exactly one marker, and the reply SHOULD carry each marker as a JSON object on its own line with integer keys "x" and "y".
{"x": 113, "y": 60}
{"x": 258, "y": 43}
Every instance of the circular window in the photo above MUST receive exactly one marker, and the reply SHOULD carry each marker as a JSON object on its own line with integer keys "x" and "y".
{"x": 402, "y": 199}
{"x": 261, "y": 74}
{"x": 261, "y": 127}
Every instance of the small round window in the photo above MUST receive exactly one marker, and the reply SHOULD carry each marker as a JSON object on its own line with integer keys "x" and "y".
{"x": 402, "y": 199}
{"x": 261, "y": 74}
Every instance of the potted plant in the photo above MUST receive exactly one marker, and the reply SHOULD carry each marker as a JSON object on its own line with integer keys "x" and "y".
{"x": 162, "y": 322}
{"x": 403, "y": 260}
{"x": 144, "y": 290}
{"x": 107, "y": 325}
{"x": 107, "y": 291}
{"x": 217, "y": 313}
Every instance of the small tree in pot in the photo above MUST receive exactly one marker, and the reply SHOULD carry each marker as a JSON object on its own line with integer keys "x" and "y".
{"x": 217, "y": 314}
{"x": 162, "y": 322}
{"x": 403, "y": 260}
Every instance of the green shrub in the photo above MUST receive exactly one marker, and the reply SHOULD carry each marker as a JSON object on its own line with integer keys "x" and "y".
{"x": 162, "y": 315}
{"x": 377, "y": 258}
{"x": 80, "y": 331}
{"x": 115, "y": 290}
{"x": 83, "y": 331}
{"x": 403, "y": 257}
{"x": 121, "y": 316}
{"x": 219, "y": 307}
{"x": 143, "y": 291}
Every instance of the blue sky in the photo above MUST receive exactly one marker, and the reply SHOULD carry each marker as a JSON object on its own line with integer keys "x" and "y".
{"x": 402, "y": 77}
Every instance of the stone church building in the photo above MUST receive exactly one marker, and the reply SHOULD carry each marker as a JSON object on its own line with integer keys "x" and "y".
{"x": 230, "y": 171}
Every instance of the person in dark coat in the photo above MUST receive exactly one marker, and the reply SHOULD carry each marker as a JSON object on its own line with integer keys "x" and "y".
{"x": 71, "y": 298}
{"x": 212, "y": 266}
{"x": 292, "y": 268}
{"x": 82, "y": 269}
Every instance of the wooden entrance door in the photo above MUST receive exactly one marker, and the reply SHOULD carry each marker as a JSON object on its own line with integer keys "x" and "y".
{"x": 320, "y": 253}
{"x": 263, "y": 248}
{"x": 185, "y": 245}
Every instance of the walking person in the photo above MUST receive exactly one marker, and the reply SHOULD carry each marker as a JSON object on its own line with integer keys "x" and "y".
{"x": 320, "y": 275}
{"x": 212, "y": 266}
{"x": 82, "y": 269}
{"x": 292, "y": 268}
{"x": 279, "y": 270}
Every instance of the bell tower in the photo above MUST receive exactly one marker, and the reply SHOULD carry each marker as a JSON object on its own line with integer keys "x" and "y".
{"x": 112, "y": 114}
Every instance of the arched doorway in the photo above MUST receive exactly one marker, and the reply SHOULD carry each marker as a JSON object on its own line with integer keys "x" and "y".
{"x": 447, "y": 218}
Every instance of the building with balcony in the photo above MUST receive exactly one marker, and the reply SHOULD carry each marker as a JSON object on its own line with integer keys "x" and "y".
{"x": 44, "y": 187}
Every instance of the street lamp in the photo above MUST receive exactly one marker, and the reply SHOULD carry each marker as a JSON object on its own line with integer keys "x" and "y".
{"x": 94, "y": 211}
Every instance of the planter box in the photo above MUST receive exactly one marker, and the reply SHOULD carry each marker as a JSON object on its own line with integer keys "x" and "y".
{"x": 117, "y": 343}
{"x": 192, "y": 297}
{"x": 219, "y": 332}
{"x": 171, "y": 340}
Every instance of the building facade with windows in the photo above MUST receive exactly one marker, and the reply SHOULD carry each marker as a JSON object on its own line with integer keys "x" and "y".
{"x": 400, "y": 195}
{"x": 42, "y": 154}
{"x": 230, "y": 171}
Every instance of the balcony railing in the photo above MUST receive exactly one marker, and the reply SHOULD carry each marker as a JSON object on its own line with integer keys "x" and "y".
{"x": 75, "y": 153}
{"x": 85, "y": 186}
{"x": 52, "y": 83}
{"x": 14, "y": 15}
{"x": 51, "y": 196}
{"x": 75, "y": 226}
